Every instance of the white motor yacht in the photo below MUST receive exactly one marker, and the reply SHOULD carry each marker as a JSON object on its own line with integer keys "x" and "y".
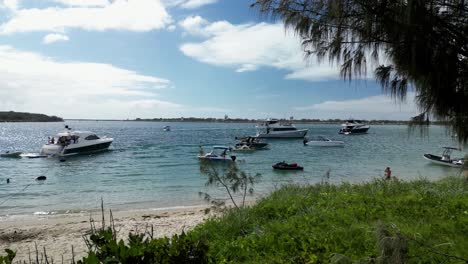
{"x": 273, "y": 128}
{"x": 353, "y": 127}
{"x": 70, "y": 142}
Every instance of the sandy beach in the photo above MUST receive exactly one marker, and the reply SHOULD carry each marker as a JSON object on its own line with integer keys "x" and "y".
{"x": 58, "y": 233}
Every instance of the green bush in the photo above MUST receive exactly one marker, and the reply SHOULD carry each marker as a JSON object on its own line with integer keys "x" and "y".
{"x": 142, "y": 248}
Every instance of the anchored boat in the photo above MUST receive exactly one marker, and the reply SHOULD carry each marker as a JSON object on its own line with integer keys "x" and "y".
{"x": 273, "y": 128}
{"x": 446, "y": 160}
{"x": 70, "y": 142}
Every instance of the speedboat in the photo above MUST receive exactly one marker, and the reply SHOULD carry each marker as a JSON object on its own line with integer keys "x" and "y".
{"x": 167, "y": 128}
{"x": 446, "y": 160}
{"x": 218, "y": 153}
{"x": 273, "y": 128}
{"x": 321, "y": 141}
{"x": 353, "y": 127}
{"x": 70, "y": 142}
{"x": 251, "y": 143}
{"x": 287, "y": 166}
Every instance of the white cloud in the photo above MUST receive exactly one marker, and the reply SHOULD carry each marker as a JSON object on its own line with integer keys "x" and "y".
{"x": 11, "y": 4}
{"x": 132, "y": 15}
{"x": 194, "y": 25}
{"x": 171, "y": 28}
{"x": 248, "y": 47}
{"x": 82, "y": 3}
{"x": 188, "y": 4}
{"x": 373, "y": 107}
{"x": 192, "y": 4}
{"x": 54, "y": 37}
{"x": 34, "y": 83}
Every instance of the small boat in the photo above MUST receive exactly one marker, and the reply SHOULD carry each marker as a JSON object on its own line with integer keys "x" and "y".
{"x": 353, "y": 127}
{"x": 167, "y": 128}
{"x": 71, "y": 142}
{"x": 287, "y": 166}
{"x": 243, "y": 148}
{"x": 219, "y": 153}
{"x": 321, "y": 141}
{"x": 446, "y": 160}
{"x": 273, "y": 128}
{"x": 251, "y": 142}
{"x": 11, "y": 154}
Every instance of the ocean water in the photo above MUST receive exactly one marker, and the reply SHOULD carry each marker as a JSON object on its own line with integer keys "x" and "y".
{"x": 149, "y": 168}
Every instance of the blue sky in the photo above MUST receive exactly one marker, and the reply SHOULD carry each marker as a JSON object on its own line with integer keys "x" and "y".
{"x": 169, "y": 58}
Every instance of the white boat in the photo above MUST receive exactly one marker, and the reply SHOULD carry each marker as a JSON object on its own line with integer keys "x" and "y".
{"x": 70, "y": 142}
{"x": 219, "y": 153}
{"x": 446, "y": 160}
{"x": 321, "y": 141}
{"x": 352, "y": 126}
{"x": 273, "y": 128}
{"x": 167, "y": 128}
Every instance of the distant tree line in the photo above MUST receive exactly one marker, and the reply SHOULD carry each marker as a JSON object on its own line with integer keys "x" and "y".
{"x": 297, "y": 121}
{"x": 12, "y": 116}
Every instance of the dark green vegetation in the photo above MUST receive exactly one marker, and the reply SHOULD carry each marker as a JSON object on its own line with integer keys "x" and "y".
{"x": 375, "y": 222}
{"x": 425, "y": 42}
{"x": 295, "y": 121}
{"x": 27, "y": 117}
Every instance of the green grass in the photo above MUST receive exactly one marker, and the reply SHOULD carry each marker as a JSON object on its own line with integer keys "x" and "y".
{"x": 308, "y": 224}
{"x": 376, "y": 222}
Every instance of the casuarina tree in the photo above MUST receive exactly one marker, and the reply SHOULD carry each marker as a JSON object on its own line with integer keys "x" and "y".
{"x": 423, "y": 42}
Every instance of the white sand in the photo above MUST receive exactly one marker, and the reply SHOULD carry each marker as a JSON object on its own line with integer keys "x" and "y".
{"x": 57, "y": 233}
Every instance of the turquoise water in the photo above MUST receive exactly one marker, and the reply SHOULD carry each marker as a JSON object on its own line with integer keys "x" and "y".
{"x": 150, "y": 168}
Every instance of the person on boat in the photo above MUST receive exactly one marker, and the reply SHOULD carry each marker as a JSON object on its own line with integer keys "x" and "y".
{"x": 388, "y": 173}
{"x": 52, "y": 140}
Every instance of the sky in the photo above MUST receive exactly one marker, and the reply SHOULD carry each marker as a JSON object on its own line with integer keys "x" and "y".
{"x": 119, "y": 59}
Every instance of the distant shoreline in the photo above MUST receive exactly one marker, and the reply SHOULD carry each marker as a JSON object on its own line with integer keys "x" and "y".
{"x": 238, "y": 120}
{"x": 14, "y": 117}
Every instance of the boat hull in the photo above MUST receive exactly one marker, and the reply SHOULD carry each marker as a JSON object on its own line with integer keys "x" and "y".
{"x": 279, "y": 167}
{"x": 438, "y": 160}
{"x": 300, "y": 133}
{"x": 361, "y": 130}
{"x": 222, "y": 159}
{"x": 76, "y": 149}
{"x": 11, "y": 154}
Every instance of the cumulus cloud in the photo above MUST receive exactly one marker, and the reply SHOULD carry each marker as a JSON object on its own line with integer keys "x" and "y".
{"x": 373, "y": 107}
{"x": 194, "y": 25}
{"x": 192, "y": 4}
{"x": 247, "y": 47}
{"x": 100, "y": 3}
{"x": 188, "y": 4}
{"x": 32, "y": 82}
{"x": 54, "y": 37}
{"x": 11, "y": 4}
{"x": 132, "y": 15}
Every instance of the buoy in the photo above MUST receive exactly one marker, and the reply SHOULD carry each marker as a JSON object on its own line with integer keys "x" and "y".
{"x": 41, "y": 178}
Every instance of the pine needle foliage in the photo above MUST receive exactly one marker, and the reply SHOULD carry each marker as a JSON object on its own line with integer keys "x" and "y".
{"x": 424, "y": 41}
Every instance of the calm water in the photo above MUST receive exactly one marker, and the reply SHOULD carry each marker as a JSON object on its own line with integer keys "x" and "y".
{"x": 150, "y": 168}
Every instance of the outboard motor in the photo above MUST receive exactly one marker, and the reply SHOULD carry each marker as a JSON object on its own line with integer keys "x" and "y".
{"x": 233, "y": 158}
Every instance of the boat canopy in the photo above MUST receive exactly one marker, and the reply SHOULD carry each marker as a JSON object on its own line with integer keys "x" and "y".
{"x": 452, "y": 148}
